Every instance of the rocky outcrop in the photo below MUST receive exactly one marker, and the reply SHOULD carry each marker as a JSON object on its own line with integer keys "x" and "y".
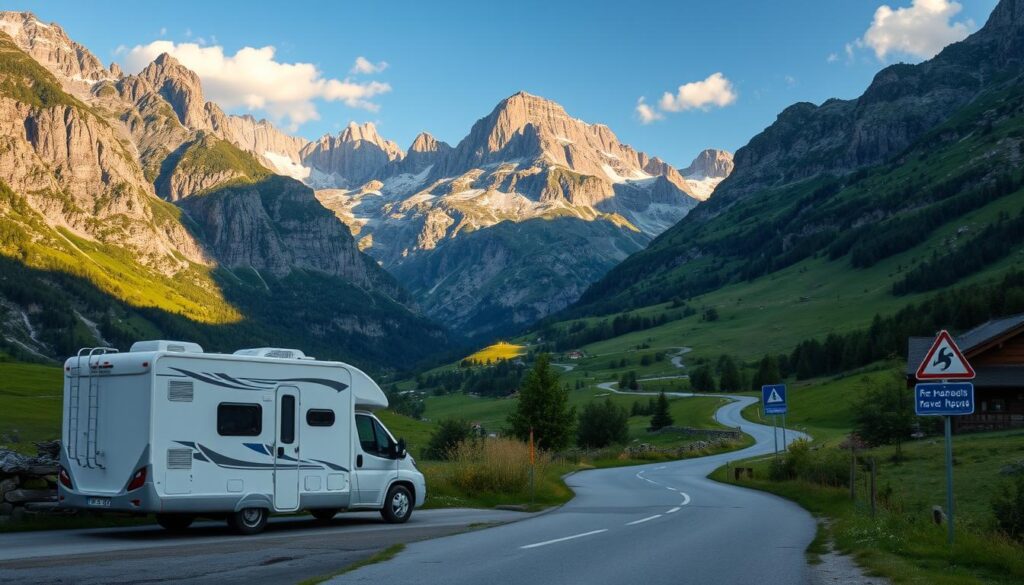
{"x": 276, "y": 226}
{"x": 356, "y": 155}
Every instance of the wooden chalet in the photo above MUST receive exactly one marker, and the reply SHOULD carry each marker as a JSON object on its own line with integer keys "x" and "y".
{"x": 996, "y": 351}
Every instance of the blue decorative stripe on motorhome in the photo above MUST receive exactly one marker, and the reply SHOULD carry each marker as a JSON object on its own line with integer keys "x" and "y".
{"x": 259, "y": 448}
{"x": 226, "y": 381}
{"x": 332, "y": 466}
{"x": 204, "y": 453}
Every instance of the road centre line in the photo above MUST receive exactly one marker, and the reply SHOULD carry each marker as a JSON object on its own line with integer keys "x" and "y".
{"x": 673, "y": 510}
{"x": 563, "y": 539}
{"x": 641, "y": 521}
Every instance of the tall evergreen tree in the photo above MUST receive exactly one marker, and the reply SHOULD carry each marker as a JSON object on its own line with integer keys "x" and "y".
{"x": 702, "y": 380}
{"x": 602, "y": 424}
{"x": 767, "y": 373}
{"x": 662, "y": 417}
{"x": 543, "y": 406}
{"x": 730, "y": 380}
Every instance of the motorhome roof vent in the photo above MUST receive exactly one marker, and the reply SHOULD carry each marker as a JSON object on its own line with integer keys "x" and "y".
{"x": 164, "y": 345}
{"x": 273, "y": 352}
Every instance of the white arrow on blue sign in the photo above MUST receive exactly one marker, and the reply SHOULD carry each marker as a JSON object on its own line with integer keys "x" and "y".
{"x": 950, "y": 399}
{"x": 773, "y": 396}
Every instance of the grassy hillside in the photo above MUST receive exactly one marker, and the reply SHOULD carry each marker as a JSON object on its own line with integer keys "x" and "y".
{"x": 30, "y": 404}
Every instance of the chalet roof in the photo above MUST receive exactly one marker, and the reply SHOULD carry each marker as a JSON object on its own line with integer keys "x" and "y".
{"x": 968, "y": 341}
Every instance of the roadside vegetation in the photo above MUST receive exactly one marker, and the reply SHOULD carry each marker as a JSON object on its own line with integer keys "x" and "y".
{"x": 901, "y": 539}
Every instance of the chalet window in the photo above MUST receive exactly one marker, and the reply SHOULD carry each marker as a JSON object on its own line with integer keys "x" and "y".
{"x": 239, "y": 420}
{"x": 319, "y": 417}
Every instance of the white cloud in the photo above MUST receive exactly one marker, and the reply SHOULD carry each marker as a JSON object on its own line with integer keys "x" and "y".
{"x": 921, "y": 30}
{"x": 254, "y": 79}
{"x": 163, "y": 31}
{"x": 646, "y": 113}
{"x": 832, "y": 58}
{"x": 790, "y": 80}
{"x": 366, "y": 67}
{"x": 716, "y": 90}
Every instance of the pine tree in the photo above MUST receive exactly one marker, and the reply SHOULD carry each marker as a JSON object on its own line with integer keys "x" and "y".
{"x": 543, "y": 406}
{"x": 767, "y": 373}
{"x": 730, "y": 380}
{"x": 702, "y": 380}
{"x": 662, "y": 417}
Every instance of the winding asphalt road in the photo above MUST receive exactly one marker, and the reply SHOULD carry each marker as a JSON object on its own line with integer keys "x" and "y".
{"x": 654, "y": 524}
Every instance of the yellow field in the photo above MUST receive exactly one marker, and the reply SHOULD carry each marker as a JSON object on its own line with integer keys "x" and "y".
{"x": 499, "y": 351}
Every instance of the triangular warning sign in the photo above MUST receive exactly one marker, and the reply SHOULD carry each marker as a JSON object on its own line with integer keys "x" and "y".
{"x": 774, "y": 397}
{"x": 945, "y": 361}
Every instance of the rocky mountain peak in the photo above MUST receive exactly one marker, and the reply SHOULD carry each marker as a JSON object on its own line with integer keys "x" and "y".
{"x": 181, "y": 87}
{"x": 49, "y": 45}
{"x": 706, "y": 171}
{"x": 357, "y": 154}
{"x": 711, "y": 163}
{"x": 425, "y": 142}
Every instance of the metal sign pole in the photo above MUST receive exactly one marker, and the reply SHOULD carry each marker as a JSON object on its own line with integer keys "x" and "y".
{"x": 775, "y": 433}
{"x": 949, "y": 477}
{"x": 784, "y": 443}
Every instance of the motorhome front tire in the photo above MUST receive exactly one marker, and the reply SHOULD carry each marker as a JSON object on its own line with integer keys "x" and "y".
{"x": 397, "y": 505}
{"x": 175, "y": 522}
{"x": 248, "y": 520}
{"x": 324, "y": 514}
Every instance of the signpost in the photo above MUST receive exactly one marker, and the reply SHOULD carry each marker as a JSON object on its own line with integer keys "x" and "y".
{"x": 944, "y": 361}
{"x": 773, "y": 396}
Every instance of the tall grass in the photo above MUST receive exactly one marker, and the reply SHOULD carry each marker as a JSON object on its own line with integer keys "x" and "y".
{"x": 493, "y": 471}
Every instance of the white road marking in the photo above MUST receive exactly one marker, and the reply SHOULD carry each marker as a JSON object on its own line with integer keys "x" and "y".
{"x": 686, "y": 499}
{"x": 641, "y": 521}
{"x": 563, "y": 539}
{"x": 672, "y": 488}
{"x": 673, "y": 510}
{"x": 658, "y": 468}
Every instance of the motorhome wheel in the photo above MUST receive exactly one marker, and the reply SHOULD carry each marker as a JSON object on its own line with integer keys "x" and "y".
{"x": 248, "y": 520}
{"x": 398, "y": 505}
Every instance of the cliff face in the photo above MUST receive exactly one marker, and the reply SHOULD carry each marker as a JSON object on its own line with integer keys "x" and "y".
{"x": 356, "y": 155}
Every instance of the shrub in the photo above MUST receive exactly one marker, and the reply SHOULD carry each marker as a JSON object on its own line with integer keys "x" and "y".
{"x": 449, "y": 435}
{"x": 1008, "y": 507}
{"x": 828, "y": 467}
{"x": 601, "y": 424}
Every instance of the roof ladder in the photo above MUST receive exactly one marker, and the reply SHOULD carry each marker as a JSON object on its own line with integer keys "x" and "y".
{"x": 92, "y": 406}
{"x": 73, "y": 407}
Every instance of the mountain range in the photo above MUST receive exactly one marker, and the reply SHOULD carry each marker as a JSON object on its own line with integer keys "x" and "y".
{"x": 147, "y": 210}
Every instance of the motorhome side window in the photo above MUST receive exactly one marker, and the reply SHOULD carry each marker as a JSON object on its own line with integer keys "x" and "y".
{"x": 367, "y": 441}
{"x": 383, "y": 440}
{"x": 319, "y": 417}
{"x": 239, "y": 420}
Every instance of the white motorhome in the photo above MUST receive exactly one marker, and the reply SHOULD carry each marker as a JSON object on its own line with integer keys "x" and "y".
{"x": 168, "y": 429}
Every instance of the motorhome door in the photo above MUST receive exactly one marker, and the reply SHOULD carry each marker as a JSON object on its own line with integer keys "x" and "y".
{"x": 286, "y": 461}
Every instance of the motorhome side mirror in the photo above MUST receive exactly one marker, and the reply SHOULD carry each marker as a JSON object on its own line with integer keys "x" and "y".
{"x": 401, "y": 450}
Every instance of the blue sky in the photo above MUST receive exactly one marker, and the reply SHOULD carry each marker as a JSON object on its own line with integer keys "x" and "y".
{"x": 449, "y": 63}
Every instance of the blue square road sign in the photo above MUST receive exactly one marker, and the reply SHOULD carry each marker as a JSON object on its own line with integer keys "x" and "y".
{"x": 773, "y": 397}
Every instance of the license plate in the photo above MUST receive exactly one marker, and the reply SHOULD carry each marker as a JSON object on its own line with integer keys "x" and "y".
{"x": 99, "y": 502}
